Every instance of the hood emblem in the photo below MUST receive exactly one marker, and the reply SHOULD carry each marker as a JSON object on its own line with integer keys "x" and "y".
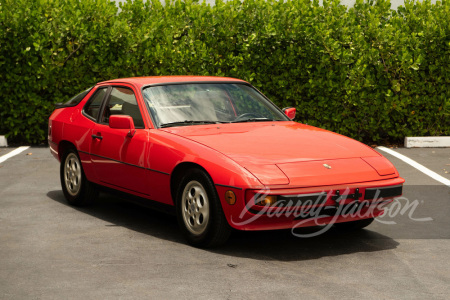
{"x": 327, "y": 166}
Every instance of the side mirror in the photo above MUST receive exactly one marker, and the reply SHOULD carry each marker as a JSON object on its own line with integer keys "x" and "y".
{"x": 122, "y": 122}
{"x": 290, "y": 112}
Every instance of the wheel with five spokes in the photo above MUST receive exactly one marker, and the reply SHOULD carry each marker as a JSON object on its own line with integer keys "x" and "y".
{"x": 199, "y": 211}
{"x": 76, "y": 188}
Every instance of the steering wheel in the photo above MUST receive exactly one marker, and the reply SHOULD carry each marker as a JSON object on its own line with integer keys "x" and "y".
{"x": 247, "y": 116}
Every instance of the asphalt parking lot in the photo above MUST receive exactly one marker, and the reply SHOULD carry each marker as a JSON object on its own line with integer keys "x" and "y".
{"x": 115, "y": 249}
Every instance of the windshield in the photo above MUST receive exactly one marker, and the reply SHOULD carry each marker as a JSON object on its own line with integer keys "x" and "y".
{"x": 208, "y": 103}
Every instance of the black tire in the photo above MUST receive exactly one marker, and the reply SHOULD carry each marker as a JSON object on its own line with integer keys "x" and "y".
{"x": 76, "y": 188}
{"x": 199, "y": 211}
{"x": 354, "y": 225}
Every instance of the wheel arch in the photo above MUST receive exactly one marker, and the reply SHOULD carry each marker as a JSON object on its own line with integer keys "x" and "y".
{"x": 63, "y": 146}
{"x": 177, "y": 175}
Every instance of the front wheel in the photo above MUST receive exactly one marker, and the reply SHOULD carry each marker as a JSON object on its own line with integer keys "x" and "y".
{"x": 354, "y": 225}
{"x": 76, "y": 188}
{"x": 199, "y": 211}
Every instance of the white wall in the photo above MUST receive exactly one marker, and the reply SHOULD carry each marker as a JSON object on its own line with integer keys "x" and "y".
{"x": 394, "y": 3}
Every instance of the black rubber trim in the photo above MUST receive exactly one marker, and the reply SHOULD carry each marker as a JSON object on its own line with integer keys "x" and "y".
{"x": 295, "y": 200}
{"x": 299, "y": 200}
{"x": 331, "y": 211}
{"x": 228, "y": 186}
{"x": 128, "y": 164}
{"x": 157, "y": 171}
{"x": 62, "y": 105}
{"x": 383, "y": 192}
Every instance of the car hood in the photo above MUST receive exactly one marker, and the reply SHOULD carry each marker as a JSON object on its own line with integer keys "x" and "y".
{"x": 274, "y": 142}
{"x": 273, "y": 151}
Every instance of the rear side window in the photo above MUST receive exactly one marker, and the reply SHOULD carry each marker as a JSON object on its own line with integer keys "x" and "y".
{"x": 77, "y": 99}
{"x": 92, "y": 108}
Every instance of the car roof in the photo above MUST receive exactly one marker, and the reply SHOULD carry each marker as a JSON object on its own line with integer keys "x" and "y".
{"x": 142, "y": 81}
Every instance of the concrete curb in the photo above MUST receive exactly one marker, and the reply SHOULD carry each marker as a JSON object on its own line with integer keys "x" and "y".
{"x": 427, "y": 141}
{"x": 3, "y": 141}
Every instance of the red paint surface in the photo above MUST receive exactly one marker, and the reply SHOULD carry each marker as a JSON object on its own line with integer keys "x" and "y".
{"x": 286, "y": 157}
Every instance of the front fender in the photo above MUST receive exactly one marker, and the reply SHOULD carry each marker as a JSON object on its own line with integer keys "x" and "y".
{"x": 167, "y": 151}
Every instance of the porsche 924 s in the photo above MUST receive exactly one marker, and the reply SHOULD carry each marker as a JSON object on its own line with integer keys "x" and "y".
{"x": 217, "y": 153}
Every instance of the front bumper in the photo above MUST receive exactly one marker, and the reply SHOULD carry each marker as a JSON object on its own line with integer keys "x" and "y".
{"x": 336, "y": 204}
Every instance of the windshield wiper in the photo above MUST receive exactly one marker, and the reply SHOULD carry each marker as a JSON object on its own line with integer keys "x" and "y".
{"x": 253, "y": 120}
{"x": 186, "y": 122}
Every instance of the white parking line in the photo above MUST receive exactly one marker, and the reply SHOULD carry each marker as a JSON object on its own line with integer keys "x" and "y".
{"x": 13, "y": 153}
{"x": 416, "y": 165}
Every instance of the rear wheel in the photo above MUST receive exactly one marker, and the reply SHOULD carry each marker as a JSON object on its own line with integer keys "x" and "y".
{"x": 199, "y": 211}
{"x": 354, "y": 225}
{"x": 76, "y": 188}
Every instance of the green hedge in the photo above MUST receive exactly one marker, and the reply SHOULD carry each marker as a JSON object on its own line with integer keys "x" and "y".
{"x": 368, "y": 72}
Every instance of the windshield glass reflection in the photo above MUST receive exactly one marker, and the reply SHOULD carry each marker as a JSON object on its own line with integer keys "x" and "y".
{"x": 208, "y": 103}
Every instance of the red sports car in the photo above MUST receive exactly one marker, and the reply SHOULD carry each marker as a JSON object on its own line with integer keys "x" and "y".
{"x": 219, "y": 154}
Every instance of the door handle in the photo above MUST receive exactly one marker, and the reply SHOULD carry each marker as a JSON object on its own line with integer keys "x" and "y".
{"x": 97, "y": 137}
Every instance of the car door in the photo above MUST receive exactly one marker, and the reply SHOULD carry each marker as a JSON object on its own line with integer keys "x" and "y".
{"x": 120, "y": 160}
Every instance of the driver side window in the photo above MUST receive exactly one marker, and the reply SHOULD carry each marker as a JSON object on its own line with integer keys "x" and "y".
{"x": 122, "y": 101}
